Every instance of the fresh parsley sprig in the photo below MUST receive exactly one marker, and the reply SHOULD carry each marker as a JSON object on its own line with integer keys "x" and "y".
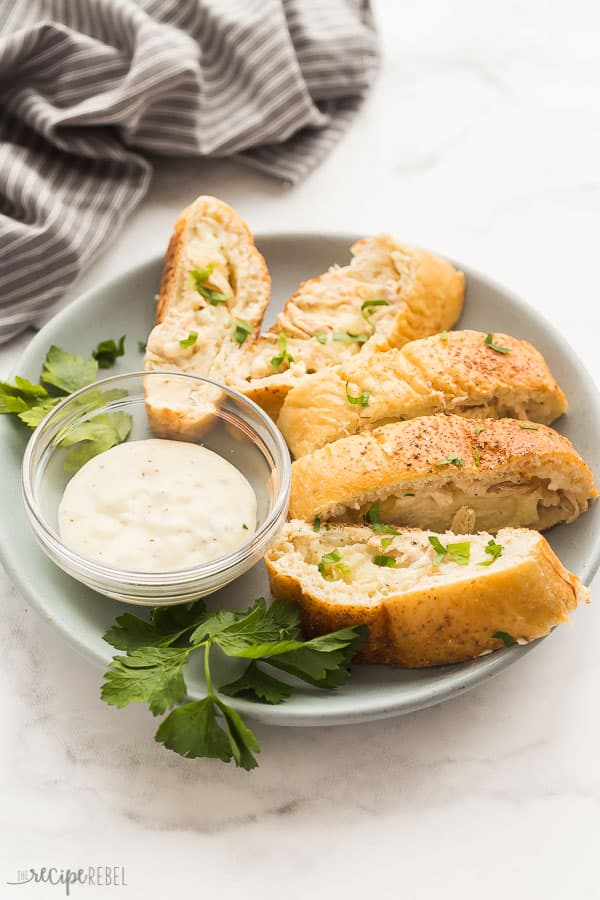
{"x": 158, "y": 651}
{"x": 65, "y": 373}
{"x": 493, "y": 550}
{"x": 242, "y": 329}
{"x": 347, "y": 337}
{"x": 450, "y": 460}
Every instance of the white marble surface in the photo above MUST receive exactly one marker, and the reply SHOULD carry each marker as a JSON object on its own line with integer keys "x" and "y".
{"x": 482, "y": 140}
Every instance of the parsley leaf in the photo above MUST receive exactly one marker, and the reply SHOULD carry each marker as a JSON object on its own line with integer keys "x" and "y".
{"x": 494, "y": 550}
{"x": 152, "y": 675}
{"x": 190, "y": 340}
{"x": 444, "y": 336}
{"x": 152, "y": 670}
{"x": 507, "y": 639}
{"x": 373, "y": 518}
{"x": 332, "y": 560}
{"x": 142, "y": 345}
{"x": 439, "y": 549}
{"x": 242, "y": 330}
{"x": 346, "y": 337}
{"x": 257, "y": 686}
{"x": 361, "y": 400}
{"x": 284, "y": 356}
{"x": 477, "y": 457}
{"x": 107, "y": 351}
{"x": 94, "y": 436}
{"x": 321, "y": 336}
{"x": 385, "y": 542}
{"x": 198, "y": 278}
{"x": 489, "y": 342}
{"x": 30, "y": 402}
{"x": 192, "y": 730}
{"x": 529, "y": 427}
{"x": 459, "y": 552}
{"x": 368, "y": 308}
{"x": 316, "y": 524}
{"x": 450, "y": 461}
{"x": 66, "y": 371}
{"x": 383, "y": 560}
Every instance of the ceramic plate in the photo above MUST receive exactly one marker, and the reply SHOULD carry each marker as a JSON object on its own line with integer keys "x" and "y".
{"x": 126, "y": 306}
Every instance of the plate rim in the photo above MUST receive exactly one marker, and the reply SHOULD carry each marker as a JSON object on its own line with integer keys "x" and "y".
{"x": 458, "y": 680}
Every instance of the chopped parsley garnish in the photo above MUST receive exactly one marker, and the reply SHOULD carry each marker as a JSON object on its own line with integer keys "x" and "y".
{"x": 477, "y": 457}
{"x": 107, "y": 351}
{"x": 385, "y": 542}
{"x": 373, "y": 518}
{"x": 284, "y": 356}
{"x": 155, "y": 654}
{"x": 368, "y": 308}
{"x": 529, "y": 427}
{"x": 331, "y": 564}
{"x": 489, "y": 342}
{"x": 361, "y": 400}
{"x": 479, "y": 429}
{"x": 244, "y": 526}
{"x": 493, "y": 550}
{"x": 507, "y": 639}
{"x": 142, "y": 345}
{"x": 383, "y": 560}
{"x": 450, "y": 461}
{"x": 444, "y": 336}
{"x": 459, "y": 552}
{"x": 190, "y": 340}
{"x": 321, "y": 336}
{"x": 346, "y": 337}
{"x": 198, "y": 278}
{"x": 316, "y": 524}
{"x": 242, "y": 330}
{"x": 409, "y": 494}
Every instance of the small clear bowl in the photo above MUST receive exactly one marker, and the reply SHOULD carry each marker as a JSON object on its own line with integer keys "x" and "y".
{"x": 183, "y": 407}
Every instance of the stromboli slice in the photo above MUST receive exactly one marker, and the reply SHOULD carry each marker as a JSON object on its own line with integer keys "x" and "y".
{"x": 389, "y": 294}
{"x": 214, "y": 283}
{"x": 417, "y": 613}
{"x": 446, "y": 472}
{"x": 455, "y": 372}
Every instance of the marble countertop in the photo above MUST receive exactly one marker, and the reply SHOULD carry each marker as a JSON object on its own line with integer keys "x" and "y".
{"x": 481, "y": 140}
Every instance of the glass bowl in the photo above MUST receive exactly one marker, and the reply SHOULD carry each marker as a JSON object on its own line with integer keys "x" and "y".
{"x": 165, "y": 405}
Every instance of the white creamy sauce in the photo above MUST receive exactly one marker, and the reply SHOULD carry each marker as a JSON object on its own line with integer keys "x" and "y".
{"x": 156, "y": 505}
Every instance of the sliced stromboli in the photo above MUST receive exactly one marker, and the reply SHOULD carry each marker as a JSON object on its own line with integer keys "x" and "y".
{"x": 424, "y": 605}
{"x": 444, "y": 472}
{"x": 390, "y": 294}
{"x": 458, "y": 372}
{"x": 214, "y": 290}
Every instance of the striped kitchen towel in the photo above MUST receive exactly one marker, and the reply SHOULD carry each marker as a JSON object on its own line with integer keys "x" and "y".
{"x": 89, "y": 87}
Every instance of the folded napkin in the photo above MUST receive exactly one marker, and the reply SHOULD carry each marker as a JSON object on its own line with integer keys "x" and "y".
{"x": 89, "y": 87}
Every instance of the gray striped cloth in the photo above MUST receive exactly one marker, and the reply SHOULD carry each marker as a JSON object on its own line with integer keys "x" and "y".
{"x": 88, "y": 88}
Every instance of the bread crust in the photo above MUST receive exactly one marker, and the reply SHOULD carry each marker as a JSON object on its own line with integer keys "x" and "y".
{"x": 454, "y": 372}
{"x": 423, "y": 293}
{"x": 207, "y": 232}
{"x": 449, "y": 622}
{"x": 401, "y": 457}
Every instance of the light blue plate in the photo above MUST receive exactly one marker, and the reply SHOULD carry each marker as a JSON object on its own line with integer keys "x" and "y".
{"x": 126, "y": 306}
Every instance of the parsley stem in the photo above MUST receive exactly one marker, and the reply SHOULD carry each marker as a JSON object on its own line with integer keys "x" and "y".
{"x": 207, "y": 678}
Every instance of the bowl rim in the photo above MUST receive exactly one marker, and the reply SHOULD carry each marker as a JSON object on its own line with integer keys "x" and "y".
{"x": 171, "y": 577}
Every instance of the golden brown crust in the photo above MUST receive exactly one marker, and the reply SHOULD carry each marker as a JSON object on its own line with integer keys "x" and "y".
{"x": 453, "y": 372}
{"x": 208, "y": 233}
{"x": 449, "y": 622}
{"x": 382, "y": 462}
{"x": 423, "y": 295}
